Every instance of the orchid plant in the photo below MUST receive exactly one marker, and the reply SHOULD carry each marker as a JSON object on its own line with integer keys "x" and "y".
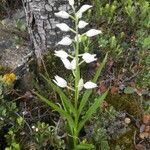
{"x": 74, "y": 110}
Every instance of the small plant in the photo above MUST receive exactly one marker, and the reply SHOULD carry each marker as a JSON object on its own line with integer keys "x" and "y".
{"x": 75, "y": 110}
{"x": 45, "y": 137}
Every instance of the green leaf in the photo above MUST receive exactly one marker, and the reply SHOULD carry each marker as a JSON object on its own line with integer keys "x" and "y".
{"x": 20, "y": 120}
{"x": 85, "y": 146}
{"x": 148, "y": 60}
{"x": 92, "y": 110}
{"x": 56, "y": 108}
{"x": 128, "y": 90}
{"x": 146, "y": 42}
{"x": 65, "y": 101}
{"x": 88, "y": 92}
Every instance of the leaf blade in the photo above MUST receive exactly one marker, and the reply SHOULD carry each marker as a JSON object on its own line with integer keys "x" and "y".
{"x": 56, "y": 108}
{"x": 92, "y": 109}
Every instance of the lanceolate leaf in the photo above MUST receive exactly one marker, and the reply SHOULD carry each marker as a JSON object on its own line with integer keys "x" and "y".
{"x": 67, "y": 103}
{"x": 56, "y": 108}
{"x": 129, "y": 90}
{"x": 92, "y": 109}
{"x": 88, "y": 92}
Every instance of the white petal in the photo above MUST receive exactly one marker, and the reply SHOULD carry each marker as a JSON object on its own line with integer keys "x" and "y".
{"x": 73, "y": 64}
{"x": 80, "y": 84}
{"x": 71, "y": 2}
{"x": 84, "y": 8}
{"x": 90, "y": 85}
{"x": 65, "y": 41}
{"x": 62, "y": 14}
{"x": 60, "y": 81}
{"x": 63, "y": 27}
{"x": 82, "y": 24}
{"x": 62, "y": 54}
{"x": 67, "y": 64}
{"x": 93, "y": 32}
{"x": 88, "y": 58}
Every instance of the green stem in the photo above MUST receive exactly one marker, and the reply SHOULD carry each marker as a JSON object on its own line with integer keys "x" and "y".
{"x": 77, "y": 71}
{"x": 77, "y": 78}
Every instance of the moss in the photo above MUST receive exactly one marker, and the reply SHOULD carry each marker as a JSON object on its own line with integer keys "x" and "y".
{"x": 124, "y": 142}
{"x": 127, "y": 103}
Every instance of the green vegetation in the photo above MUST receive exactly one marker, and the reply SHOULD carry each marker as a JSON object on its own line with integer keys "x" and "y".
{"x": 44, "y": 116}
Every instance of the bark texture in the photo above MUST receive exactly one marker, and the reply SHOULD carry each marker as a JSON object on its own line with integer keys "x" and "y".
{"x": 41, "y": 23}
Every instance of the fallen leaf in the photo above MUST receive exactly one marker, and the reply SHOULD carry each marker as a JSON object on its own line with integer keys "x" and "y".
{"x": 114, "y": 90}
{"x": 146, "y": 118}
{"x": 140, "y": 147}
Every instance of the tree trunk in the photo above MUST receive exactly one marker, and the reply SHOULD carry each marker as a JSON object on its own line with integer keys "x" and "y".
{"x": 41, "y": 23}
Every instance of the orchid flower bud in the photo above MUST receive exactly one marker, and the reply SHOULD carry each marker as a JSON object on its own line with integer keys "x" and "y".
{"x": 65, "y": 41}
{"x": 61, "y": 54}
{"x": 71, "y": 2}
{"x": 73, "y": 64}
{"x": 63, "y": 27}
{"x": 93, "y": 32}
{"x": 60, "y": 81}
{"x": 82, "y": 10}
{"x": 80, "y": 84}
{"x": 88, "y": 58}
{"x": 79, "y": 38}
{"x": 82, "y": 24}
{"x": 90, "y": 85}
{"x": 62, "y": 14}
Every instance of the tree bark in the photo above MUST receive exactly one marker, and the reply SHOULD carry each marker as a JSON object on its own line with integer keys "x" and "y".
{"x": 41, "y": 23}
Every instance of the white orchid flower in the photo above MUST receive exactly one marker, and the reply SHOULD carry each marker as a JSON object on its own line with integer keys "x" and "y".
{"x": 62, "y": 14}
{"x": 60, "y": 81}
{"x": 90, "y": 85}
{"x": 93, "y": 32}
{"x": 80, "y": 84}
{"x": 65, "y": 41}
{"x": 82, "y": 10}
{"x": 69, "y": 65}
{"x": 71, "y": 2}
{"x": 63, "y": 27}
{"x": 88, "y": 58}
{"x": 82, "y": 24}
{"x": 61, "y": 54}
